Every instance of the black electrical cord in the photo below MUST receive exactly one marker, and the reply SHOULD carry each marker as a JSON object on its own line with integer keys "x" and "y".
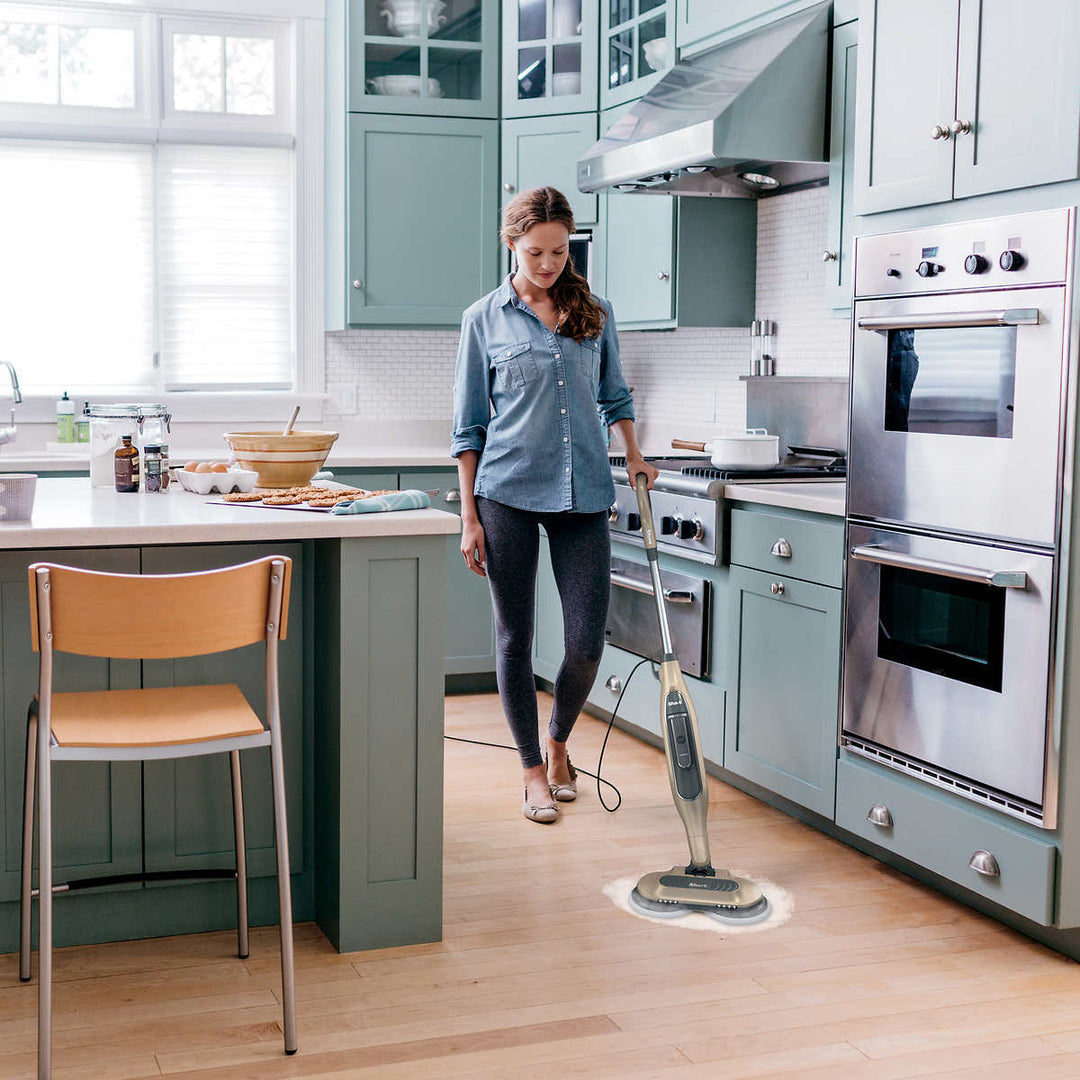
{"x": 600, "y": 761}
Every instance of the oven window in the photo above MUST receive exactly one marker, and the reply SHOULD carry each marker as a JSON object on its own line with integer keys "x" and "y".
{"x": 951, "y": 382}
{"x": 939, "y": 624}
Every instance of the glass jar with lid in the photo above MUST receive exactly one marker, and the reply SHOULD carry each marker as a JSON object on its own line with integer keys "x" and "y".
{"x": 110, "y": 423}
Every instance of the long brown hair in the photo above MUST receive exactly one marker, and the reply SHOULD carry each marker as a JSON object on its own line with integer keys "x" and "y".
{"x": 580, "y": 316}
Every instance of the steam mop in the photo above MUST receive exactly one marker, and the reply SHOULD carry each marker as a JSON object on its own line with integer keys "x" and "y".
{"x": 697, "y": 886}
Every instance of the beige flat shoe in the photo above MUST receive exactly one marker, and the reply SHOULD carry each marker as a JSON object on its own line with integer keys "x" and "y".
{"x": 544, "y": 815}
{"x": 565, "y": 792}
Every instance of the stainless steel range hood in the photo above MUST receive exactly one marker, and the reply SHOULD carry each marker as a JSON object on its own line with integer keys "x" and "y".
{"x": 743, "y": 120}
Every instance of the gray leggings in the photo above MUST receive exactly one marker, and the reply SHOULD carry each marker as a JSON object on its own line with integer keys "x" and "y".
{"x": 581, "y": 559}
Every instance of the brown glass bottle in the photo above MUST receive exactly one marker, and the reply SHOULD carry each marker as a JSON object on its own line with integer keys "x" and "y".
{"x": 126, "y": 466}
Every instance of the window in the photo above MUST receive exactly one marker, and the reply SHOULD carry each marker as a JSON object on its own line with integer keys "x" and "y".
{"x": 150, "y": 167}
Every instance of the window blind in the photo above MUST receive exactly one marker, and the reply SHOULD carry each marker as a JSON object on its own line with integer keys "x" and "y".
{"x": 225, "y": 254}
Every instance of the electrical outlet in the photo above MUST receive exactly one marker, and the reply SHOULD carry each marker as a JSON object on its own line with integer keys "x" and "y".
{"x": 345, "y": 399}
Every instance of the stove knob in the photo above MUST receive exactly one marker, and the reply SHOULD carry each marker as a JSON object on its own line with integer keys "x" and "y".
{"x": 669, "y": 526}
{"x": 927, "y": 269}
{"x": 689, "y": 530}
{"x": 633, "y": 522}
{"x": 613, "y": 513}
{"x": 1011, "y": 260}
{"x": 892, "y": 272}
{"x": 976, "y": 264}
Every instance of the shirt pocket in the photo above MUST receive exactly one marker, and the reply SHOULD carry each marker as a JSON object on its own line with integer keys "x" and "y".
{"x": 514, "y": 365}
{"x": 589, "y": 351}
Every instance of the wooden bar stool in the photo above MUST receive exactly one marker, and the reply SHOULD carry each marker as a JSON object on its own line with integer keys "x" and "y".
{"x": 135, "y": 616}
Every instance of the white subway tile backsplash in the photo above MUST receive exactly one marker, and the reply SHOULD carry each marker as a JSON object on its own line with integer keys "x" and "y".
{"x": 690, "y": 374}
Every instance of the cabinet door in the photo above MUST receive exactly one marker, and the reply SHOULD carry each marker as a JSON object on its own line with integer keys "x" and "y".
{"x": 423, "y": 217}
{"x": 701, "y": 24}
{"x": 439, "y": 61}
{"x": 470, "y": 645}
{"x": 641, "y": 259}
{"x": 372, "y": 479}
{"x": 544, "y": 151}
{"x": 637, "y": 45}
{"x": 907, "y": 88}
{"x": 549, "y": 56}
{"x": 97, "y": 816}
{"x": 188, "y": 818}
{"x": 1018, "y": 90}
{"x": 784, "y": 686}
{"x": 839, "y": 253}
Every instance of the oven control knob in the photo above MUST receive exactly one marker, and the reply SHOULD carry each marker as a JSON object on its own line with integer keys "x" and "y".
{"x": 1011, "y": 260}
{"x": 976, "y": 264}
{"x": 691, "y": 529}
{"x": 669, "y": 526}
{"x": 633, "y": 522}
{"x": 892, "y": 272}
{"x": 613, "y": 514}
{"x": 927, "y": 269}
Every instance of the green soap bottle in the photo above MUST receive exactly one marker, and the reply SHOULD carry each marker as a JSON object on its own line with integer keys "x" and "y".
{"x": 65, "y": 420}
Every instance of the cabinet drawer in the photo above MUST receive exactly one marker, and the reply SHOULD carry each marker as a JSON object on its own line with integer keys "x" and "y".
{"x": 816, "y": 547}
{"x": 928, "y": 828}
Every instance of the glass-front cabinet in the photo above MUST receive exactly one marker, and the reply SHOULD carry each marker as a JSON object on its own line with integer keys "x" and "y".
{"x": 637, "y": 45}
{"x": 432, "y": 57}
{"x": 549, "y": 56}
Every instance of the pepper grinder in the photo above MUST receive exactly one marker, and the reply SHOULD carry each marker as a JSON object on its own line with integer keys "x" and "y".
{"x": 755, "y": 347}
{"x": 768, "y": 346}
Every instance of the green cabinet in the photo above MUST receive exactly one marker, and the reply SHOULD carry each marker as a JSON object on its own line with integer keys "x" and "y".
{"x": 784, "y": 654}
{"x": 97, "y": 806}
{"x": 429, "y": 57}
{"x": 538, "y": 151}
{"x": 702, "y": 24}
{"x": 549, "y": 56}
{"x": 839, "y": 254}
{"x": 422, "y": 218}
{"x": 637, "y": 45}
{"x": 964, "y": 120}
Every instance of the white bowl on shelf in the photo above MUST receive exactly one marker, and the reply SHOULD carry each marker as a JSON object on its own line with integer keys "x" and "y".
{"x": 403, "y": 86}
{"x": 203, "y": 483}
{"x": 565, "y": 82}
{"x": 656, "y": 53}
{"x": 405, "y": 17}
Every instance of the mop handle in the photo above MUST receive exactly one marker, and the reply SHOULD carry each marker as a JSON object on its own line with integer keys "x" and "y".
{"x": 648, "y": 534}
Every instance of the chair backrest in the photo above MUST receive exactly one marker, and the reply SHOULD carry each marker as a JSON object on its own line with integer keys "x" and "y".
{"x": 153, "y": 616}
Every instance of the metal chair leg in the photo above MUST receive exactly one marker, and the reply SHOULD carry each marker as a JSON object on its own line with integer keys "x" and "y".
{"x": 45, "y": 922}
{"x": 26, "y": 883}
{"x": 281, "y": 844}
{"x": 242, "y": 948}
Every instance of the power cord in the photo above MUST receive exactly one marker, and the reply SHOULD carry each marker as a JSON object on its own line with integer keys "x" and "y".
{"x": 600, "y": 761}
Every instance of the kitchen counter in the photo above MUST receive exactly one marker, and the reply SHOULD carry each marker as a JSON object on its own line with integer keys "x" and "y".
{"x": 819, "y": 497}
{"x": 71, "y": 513}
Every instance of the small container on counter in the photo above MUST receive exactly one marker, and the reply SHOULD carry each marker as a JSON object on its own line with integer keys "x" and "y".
{"x": 82, "y": 424}
{"x": 152, "y": 480}
{"x": 65, "y": 419}
{"x": 166, "y": 474}
{"x": 126, "y": 466}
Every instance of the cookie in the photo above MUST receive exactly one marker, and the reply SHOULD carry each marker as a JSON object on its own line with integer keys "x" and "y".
{"x": 282, "y": 500}
{"x": 242, "y": 497}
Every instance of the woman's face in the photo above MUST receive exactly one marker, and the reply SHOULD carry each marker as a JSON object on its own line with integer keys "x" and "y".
{"x": 542, "y": 253}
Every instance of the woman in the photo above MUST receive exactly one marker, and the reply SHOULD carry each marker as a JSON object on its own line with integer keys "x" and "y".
{"x": 537, "y": 378}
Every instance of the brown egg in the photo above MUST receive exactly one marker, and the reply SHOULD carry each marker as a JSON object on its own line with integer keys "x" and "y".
{"x": 191, "y": 466}
{"x": 219, "y": 466}
{"x": 204, "y": 466}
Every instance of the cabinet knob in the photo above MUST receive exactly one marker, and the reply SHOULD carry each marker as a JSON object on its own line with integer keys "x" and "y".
{"x": 452, "y": 496}
{"x": 357, "y": 284}
{"x": 614, "y": 684}
{"x": 777, "y": 588}
{"x": 781, "y": 549}
{"x": 828, "y": 256}
{"x": 613, "y": 514}
{"x": 507, "y": 186}
{"x": 983, "y": 862}
{"x": 663, "y": 275}
{"x": 960, "y": 127}
{"x": 879, "y": 815}
{"x": 939, "y": 132}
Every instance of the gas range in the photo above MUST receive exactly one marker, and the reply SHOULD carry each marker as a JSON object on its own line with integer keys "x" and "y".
{"x": 687, "y": 499}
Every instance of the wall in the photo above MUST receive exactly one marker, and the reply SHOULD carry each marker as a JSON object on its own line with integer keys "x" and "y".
{"x": 685, "y": 381}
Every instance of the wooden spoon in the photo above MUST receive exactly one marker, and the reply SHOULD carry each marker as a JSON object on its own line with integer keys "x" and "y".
{"x": 292, "y": 420}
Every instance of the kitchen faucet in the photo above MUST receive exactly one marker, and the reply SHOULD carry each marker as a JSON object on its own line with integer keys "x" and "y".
{"x": 17, "y": 393}
{"x": 9, "y": 431}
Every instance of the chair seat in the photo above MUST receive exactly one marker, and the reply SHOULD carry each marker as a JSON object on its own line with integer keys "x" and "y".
{"x": 164, "y": 716}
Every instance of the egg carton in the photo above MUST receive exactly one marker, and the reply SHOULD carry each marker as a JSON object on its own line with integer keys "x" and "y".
{"x": 221, "y": 482}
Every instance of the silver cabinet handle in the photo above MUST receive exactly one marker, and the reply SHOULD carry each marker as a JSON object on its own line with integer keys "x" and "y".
{"x": 781, "y": 549}
{"x": 672, "y": 596}
{"x": 662, "y": 275}
{"x": 960, "y": 127}
{"x": 829, "y": 256}
{"x": 357, "y": 284}
{"x": 983, "y": 862}
{"x": 956, "y": 320}
{"x": 879, "y": 815}
{"x": 614, "y": 684}
{"x": 939, "y": 132}
{"x": 508, "y": 186}
{"x": 1001, "y": 579}
{"x": 613, "y": 514}
{"x": 452, "y": 496}
{"x": 777, "y": 588}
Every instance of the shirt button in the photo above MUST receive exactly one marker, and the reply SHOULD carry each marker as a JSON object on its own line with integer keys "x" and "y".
{"x": 563, "y": 411}
{"x": 507, "y": 352}
{"x": 556, "y": 356}
{"x": 567, "y": 468}
{"x": 566, "y": 438}
{"x": 560, "y": 382}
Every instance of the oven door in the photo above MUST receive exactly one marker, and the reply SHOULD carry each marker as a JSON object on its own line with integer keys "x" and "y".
{"x": 947, "y": 654}
{"x": 956, "y": 412}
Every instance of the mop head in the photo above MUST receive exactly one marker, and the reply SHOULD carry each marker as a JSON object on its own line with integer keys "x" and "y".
{"x": 778, "y": 909}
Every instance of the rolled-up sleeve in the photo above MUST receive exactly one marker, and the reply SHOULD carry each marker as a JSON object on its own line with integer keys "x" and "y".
{"x": 472, "y": 401}
{"x": 614, "y": 401}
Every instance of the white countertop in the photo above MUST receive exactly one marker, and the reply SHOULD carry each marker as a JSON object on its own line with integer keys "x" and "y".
{"x": 71, "y": 513}
{"x": 817, "y": 496}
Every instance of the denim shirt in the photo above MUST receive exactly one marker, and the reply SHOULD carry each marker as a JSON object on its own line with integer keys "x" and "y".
{"x": 535, "y": 404}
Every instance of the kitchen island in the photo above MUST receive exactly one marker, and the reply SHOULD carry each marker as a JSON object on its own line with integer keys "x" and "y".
{"x": 361, "y": 698}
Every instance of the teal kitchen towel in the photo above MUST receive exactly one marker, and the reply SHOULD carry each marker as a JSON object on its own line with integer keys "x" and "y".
{"x": 397, "y": 500}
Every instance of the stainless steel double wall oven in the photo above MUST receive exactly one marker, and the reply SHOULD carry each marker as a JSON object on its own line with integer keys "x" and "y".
{"x": 958, "y": 424}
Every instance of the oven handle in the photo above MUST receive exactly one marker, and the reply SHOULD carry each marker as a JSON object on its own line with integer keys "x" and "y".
{"x": 951, "y": 319}
{"x": 672, "y": 596}
{"x": 1002, "y": 579}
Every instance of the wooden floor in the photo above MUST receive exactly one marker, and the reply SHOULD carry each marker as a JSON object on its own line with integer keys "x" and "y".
{"x": 540, "y": 975}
